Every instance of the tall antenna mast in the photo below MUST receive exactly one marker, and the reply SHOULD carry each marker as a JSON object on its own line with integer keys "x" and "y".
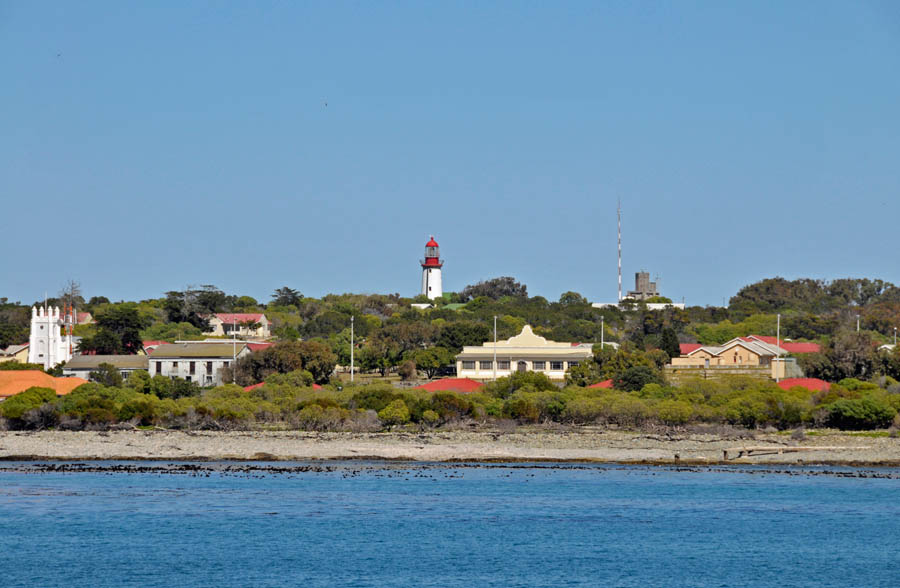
{"x": 619, "y": 221}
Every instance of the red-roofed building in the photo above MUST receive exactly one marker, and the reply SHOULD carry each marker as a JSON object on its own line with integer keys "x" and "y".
{"x": 83, "y": 318}
{"x": 686, "y": 348}
{"x": 814, "y": 384}
{"x": 259, "y": 346}
{"x": 149, "y": 346}
{"x": 605, "y": 384}
{"x": 246, "y": 324}
{"x": 789, "y": 346}
{"x": 463, "y": 385}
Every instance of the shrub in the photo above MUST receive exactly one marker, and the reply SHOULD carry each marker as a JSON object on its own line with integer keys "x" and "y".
{"x": 674, "y": 412}
{"x": 296, "y": 378}
{"x": 583, "y": 410}
{"x": 374, "y": 398}
{"x": 450, "y": 406}
{"x": 17, "y": 405}
{"x": 395, "y": 413}
{"x": 523, "y": 407}
{"x": 860, "y": 413}
{"x": 746, "y": 410}
{"x": 635, "y": 378}
{"x": 430, "y": 418}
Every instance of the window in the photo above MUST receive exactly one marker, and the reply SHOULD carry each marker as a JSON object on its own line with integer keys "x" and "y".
{"x": 539, "y": 365}
{"x": 156, "y": 365}
{"x": 556, "y": 365}
{"x": 209, "y": 380}
{"x": 187, "y": 378}
{"x": 193, "y": 370}
{"x": 573, "y": 364}
{"x": 125, "y": 375}
{"x": 209, "y": 368}
{"x": 174, "y": 365}
{"x": 486, "y": 365}
{"x": 502, "y": 365}
{"x": 468, "y": 365}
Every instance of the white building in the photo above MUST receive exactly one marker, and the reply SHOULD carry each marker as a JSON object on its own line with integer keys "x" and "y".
{"x": 242, "y": 324}
{"x": 525, "y": 352}
{"x": 82, "y": 365}
{"x": 201, "y": 363}
{"x": 431, "y": 271}
{"x": 47, "y": 346}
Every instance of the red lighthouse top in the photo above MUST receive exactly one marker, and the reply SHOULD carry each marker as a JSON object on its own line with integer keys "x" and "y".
{"x": 432, "y": 254}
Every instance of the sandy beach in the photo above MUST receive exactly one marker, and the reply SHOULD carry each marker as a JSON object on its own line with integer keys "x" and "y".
{"x": 537, "y": 445}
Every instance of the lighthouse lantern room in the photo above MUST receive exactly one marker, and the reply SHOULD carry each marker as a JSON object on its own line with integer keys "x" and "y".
{"x": 431, "y": 271}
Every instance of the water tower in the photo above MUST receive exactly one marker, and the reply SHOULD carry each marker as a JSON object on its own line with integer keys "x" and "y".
{"x": 431, "y": 271}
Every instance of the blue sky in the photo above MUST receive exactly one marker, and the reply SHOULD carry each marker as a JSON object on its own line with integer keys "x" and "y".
{"x": 148, "y": 146}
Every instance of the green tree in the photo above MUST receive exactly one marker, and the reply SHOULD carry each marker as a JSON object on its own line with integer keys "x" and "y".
{"x": 454, "y": 336}
{"x": 495, "y": 289}
{"x": 118, "y": 330}
{"x": 286, "y": 297}
{"x": 431, "y": 360}
{"x": 107, "y": 375}
{"x": 635, "y": 378}
{"x": 669, "y": 343}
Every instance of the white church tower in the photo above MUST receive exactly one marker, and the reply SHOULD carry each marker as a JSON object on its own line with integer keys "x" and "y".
{"x": 431, "y": 271}
{"x": 47, "y": 346}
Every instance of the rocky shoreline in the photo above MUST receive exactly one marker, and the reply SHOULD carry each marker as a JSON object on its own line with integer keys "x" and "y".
{"x": 585, "y": 445}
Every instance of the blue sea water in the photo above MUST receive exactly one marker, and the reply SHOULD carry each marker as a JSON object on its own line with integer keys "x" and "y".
{"x": 389, "y": 524}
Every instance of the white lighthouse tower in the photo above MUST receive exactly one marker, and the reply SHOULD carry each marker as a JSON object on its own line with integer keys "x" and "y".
{"x": 431, "y": 271}
{"x": 46, "y": 345}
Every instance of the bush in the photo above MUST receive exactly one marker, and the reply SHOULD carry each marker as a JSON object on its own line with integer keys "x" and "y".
{"x": 522, "y": 408}
{"x": 450, "y": 406}
{"x": 674, "y": 412}
{"x": 296, "y": 378}
{"x": 17, "y": 405}
{"x": 583, "y": 410}
{"x": 860, "y": 413}
{"x": 430, "y": 418}
{"x": 395, "y": 413}
{"x": 635, "y": 378}
{"x": 374, "y": 398}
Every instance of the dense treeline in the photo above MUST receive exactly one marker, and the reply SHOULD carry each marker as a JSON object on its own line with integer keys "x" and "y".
{"x": 288, "y": 401}
{"x": 391, "y": 334}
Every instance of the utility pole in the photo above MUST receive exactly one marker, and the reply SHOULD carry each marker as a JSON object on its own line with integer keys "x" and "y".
{"x": 857, "y": 323}
{"x": 233, "y": 349}
{"x": 602, "y": 331}
{"x": 619, "y": 227}
{"x": 495, "y": 347}
{"x": 895, "y": 336}
{"x": 351, "y": 349}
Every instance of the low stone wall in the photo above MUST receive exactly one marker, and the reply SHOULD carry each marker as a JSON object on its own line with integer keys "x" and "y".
{"x": 677, "y": 374}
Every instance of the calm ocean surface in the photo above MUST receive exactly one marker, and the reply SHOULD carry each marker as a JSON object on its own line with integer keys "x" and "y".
{"x": 388, "y": 524}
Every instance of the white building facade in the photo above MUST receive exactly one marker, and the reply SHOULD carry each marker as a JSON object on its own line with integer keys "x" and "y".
{"x": 526, "y": 352}
{"x": 200, "y": 363}
{"x": 47, "y": 345}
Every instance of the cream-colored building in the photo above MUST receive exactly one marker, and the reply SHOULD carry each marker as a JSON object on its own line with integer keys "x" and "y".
{"x": 738, "y": 353}
{"x": 242, "y": 324}
{"x": 526, "y": 352}
{"x": 17, "y": 353}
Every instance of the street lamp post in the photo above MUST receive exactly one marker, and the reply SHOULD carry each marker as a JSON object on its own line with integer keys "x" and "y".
{"x": 602, "y": 331}
{"x": 495, "y": 347}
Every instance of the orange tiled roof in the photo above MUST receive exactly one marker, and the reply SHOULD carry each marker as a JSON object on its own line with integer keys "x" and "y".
{"x": 14, "y": 381}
